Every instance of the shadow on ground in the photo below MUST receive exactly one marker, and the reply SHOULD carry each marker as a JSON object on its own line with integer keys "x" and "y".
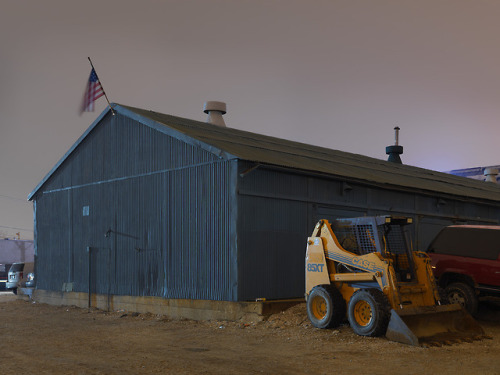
{"x": 489, "y": 310}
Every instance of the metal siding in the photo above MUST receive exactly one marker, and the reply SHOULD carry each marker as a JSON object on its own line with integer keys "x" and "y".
{"x": 265, "y": 181}
{"x": 389, "y": 200}
{"x": 52, "y": 228}
{"x": 201, "y": 253}
{"x": 137, "y": 238}
{"x": 271, "y": 245}
{"x": 159, "y": 217}
{"x": 80, "y": 234}
{"x": 279, "y": 208}
{"x": 338, "y": 191}
{"x": 272, "y": 228}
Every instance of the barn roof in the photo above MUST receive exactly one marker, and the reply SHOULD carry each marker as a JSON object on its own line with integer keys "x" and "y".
{"x": 231, "y": 143}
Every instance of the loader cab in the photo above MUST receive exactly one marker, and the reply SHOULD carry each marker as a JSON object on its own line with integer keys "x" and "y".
{"x": 386, "y": 235}
{"x": 397, "y": 241}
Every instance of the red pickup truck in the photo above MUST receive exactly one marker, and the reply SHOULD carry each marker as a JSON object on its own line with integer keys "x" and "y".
{"x": 466, "y": 263}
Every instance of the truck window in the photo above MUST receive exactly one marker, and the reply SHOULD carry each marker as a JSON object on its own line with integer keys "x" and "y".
{"x": 467, "y": 242}
{"x": 17, "y": 267}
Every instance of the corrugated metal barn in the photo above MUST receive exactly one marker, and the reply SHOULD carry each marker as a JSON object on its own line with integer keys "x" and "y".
{"x": 147, "y": 204}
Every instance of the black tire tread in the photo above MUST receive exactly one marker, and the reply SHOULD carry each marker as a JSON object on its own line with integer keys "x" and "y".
{"x": 337, "y": 303}
{"x": 338, "y": 300}
{"x": 382, "y": 307}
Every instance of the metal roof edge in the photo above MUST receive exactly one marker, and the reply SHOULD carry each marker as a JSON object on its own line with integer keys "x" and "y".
{"x": 396, "y": 187}
{"x": 164, "y": 128}
{"x": 70, "y": 151}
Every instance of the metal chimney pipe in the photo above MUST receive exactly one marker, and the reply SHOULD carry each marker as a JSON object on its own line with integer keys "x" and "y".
{"x": 215, "y": 110}
{"x": 395, "y": 150}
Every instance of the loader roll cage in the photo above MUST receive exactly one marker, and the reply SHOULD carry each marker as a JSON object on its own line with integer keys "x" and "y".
{"x": 390, "y": 239}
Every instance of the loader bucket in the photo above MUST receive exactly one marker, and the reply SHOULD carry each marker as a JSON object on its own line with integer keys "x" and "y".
{"x": 433, "y": 326}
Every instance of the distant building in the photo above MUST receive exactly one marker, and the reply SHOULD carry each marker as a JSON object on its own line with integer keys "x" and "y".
{"x": 478, "y": 173}
{"x": 12, "y": 251}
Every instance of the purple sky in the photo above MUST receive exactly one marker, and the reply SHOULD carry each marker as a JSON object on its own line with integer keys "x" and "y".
{"x": 339, "y": 74}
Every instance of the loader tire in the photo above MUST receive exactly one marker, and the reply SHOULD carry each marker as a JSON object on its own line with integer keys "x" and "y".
{"x": 464, "y": 295}
{"x": 325, "y": 307}
{"x": 369, "y": 312}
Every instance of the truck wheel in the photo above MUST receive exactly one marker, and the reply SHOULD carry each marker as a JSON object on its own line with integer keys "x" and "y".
{"x": 369, "y": 312}
{"x": 325, "y": 307}
{"x": 464, "y": 295}
{"x": 443, "y": 296}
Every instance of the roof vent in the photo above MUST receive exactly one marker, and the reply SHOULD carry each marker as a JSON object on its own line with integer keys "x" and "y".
{"x": 395, "y": 150}
{"x": 491, "y": 174}
{"x": 215, "y": 110}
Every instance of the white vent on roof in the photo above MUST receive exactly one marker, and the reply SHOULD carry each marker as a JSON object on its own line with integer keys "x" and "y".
{"x": 215, "y": 110}
{"x": 491, "y": 174}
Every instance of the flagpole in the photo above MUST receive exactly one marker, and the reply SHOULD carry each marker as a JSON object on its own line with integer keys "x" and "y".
{"x": 104, "y": 92}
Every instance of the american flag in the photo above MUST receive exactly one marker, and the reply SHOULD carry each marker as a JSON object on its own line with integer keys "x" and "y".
{"x": 94, "y": 91}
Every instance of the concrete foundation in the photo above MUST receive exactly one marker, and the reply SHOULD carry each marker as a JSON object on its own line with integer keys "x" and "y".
{"x": 173, "y": 308}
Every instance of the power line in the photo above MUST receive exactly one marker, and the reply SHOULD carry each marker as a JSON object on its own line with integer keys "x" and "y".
{"x": 13, "y": 198}
{"x": 29, "y": 230}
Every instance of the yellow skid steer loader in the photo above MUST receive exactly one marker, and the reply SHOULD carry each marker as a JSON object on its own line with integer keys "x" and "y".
{"x": 364, "y": 268}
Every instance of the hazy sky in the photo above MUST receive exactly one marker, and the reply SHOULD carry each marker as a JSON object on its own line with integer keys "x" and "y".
{"x": 339, "y": 74}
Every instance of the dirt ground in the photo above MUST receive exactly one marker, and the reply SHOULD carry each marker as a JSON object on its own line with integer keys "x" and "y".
{"x": 42, "y": 339}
